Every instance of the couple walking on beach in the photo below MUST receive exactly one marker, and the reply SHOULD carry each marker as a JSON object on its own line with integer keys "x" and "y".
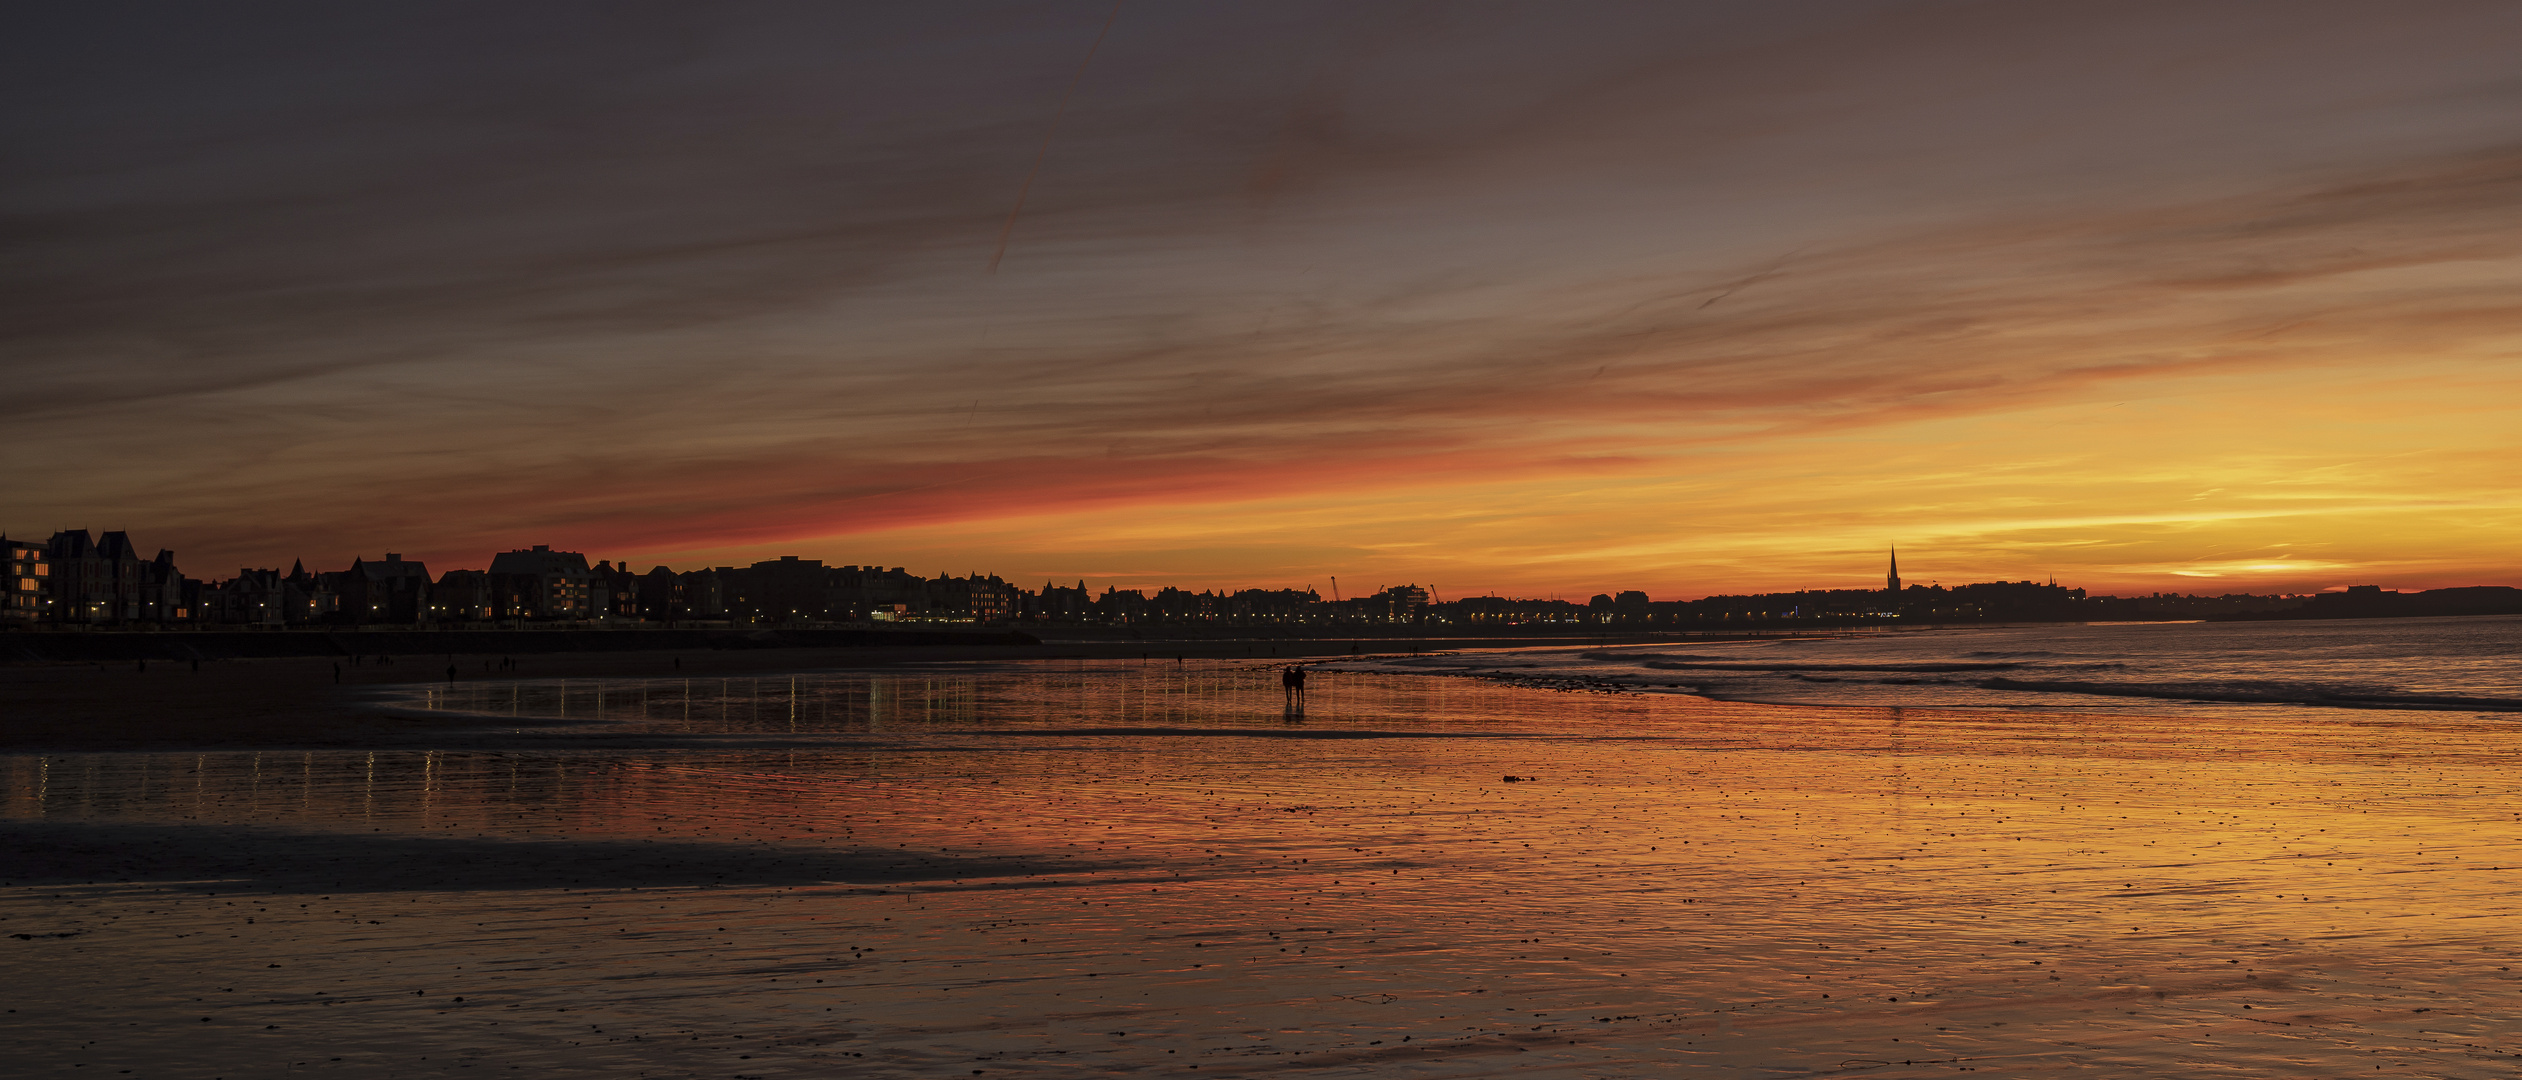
{"x": 1293, "y": 681}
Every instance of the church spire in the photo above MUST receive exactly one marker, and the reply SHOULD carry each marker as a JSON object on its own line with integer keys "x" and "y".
{"x": 1892, "y": 580}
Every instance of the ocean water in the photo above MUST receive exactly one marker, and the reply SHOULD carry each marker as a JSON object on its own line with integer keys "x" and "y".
{"x": 2238, "y": 669}
{"x": 1091, "y": 869}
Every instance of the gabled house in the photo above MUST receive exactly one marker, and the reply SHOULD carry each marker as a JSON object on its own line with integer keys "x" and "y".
{"x": 394, "y": 590}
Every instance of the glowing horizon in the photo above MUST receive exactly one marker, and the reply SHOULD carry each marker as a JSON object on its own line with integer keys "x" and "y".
{"x": 1712, "y": 300}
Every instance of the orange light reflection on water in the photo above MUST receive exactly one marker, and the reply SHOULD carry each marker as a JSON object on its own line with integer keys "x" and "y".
{"x": 1001, "y": 869}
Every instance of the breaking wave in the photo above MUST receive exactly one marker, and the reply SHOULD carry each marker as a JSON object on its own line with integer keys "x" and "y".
{"x": 1661, "y": 665}
{"x": 2265, "y": 694}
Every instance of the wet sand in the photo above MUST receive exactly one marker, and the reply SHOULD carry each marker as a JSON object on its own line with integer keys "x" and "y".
{"x": 1090, "y": 868}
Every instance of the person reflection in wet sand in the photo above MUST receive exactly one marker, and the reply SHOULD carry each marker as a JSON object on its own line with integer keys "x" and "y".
{"x": 1293, "y": 681}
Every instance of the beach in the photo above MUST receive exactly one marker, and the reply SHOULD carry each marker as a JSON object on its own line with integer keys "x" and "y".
{"x": 331, "y": 700}
{"x": 1103, "y": 866}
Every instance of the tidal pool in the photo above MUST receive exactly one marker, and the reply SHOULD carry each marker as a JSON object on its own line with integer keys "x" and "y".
{"x": 1119, "y": 868}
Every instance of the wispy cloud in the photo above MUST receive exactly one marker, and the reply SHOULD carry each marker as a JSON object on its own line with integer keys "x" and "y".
{"x": 1696, "y": 295}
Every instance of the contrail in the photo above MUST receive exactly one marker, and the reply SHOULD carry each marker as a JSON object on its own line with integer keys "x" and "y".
{"x": 1009, "y": 229}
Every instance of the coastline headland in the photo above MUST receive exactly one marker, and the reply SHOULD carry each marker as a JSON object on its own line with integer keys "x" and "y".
{"x": 2373, "y": 602}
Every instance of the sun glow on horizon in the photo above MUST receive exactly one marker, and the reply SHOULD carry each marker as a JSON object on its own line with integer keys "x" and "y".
{"x": 1623, "y": 314}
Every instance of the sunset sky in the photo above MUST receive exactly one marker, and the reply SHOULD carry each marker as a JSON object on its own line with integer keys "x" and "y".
{"x": 1526, "y": 299}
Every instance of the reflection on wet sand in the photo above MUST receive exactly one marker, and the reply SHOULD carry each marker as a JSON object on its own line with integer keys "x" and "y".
{"x": 1080, "y": 869}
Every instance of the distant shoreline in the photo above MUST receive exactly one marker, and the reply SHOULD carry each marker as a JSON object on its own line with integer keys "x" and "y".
{"x": 128, "y": 646}
{"x": 90, "y": 646}
{"x": 326, "y": 701}
{"x": 307, "y": 699}
{"x": 2431, "y": 604}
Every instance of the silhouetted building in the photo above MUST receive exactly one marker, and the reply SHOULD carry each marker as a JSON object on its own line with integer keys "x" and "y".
{"x": 661, "y": 596}
{"x": 104, "y": 581}
{"x": 316, "y": 600}
{"x": 1059, "y": 603}
{"x": 166, "y": 595}
{"x": 78, "y": 580}
{"x": 125, "y": 576}
{"x": 706, "y": 593}
{"x": 1273, "y": 605}
{"x": 615, "y": 590}
{"x": 976, "y": 598}
{"x": 392, "y": 591}
{"x": 1180, "y": 606}
{"x": 251, "y": 598}
{"x": 873, "y": 593}
{"x": 1400, "y": 603}
{"x": 1512, "y": 611}
{"x": 267, "y": 598}
{"x": 26, "y": 596}
{"x": 1119, "y": 606}
{"x": 82, "y": 580}
{"x": 463, "y": 596}
{"x": 780, "y": 592}
{"x": 541, "y": 583}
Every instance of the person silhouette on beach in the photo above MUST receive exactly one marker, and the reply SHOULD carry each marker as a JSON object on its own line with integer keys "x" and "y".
{"x": 1293, "y": 680}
